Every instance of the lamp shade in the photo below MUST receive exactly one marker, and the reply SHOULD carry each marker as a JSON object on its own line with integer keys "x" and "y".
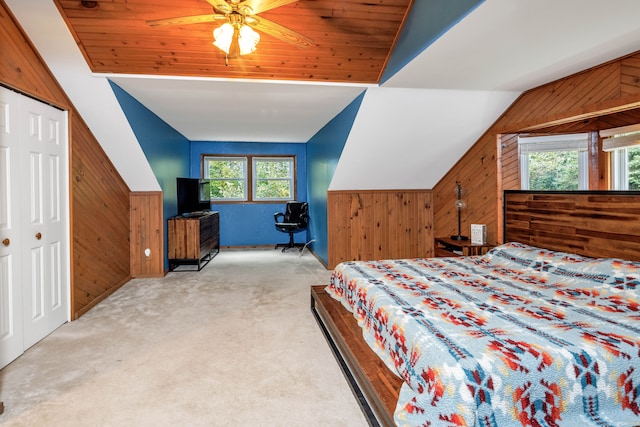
{"x": 247, "y": 39}
{"x": 223, "y": 36}
{"x": 241, "y": 39}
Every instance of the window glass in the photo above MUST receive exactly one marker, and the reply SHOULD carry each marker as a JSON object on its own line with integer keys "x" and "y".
{"x": 633, "y": 162}
{"x": 554, "y": 163}
{"x": 554, "y": 170}
{"x": 250, "y": 178}
{"x": 228, "y": 177}
{"x": 625, "y": 168}
{"x": 273, "y": 178}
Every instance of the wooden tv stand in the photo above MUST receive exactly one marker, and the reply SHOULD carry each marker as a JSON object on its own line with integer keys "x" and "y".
{"x": 193, "y": 239}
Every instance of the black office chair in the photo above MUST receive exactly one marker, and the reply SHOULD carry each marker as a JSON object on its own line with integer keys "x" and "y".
{"x": 294, "y": 219}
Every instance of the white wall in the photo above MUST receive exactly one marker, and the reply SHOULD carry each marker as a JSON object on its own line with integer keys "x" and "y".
{"x": 410, "y": 138}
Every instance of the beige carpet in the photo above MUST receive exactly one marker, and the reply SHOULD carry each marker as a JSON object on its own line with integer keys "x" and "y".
{"x": 232, "y": 345}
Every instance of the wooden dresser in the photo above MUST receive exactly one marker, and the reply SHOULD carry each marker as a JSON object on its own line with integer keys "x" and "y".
{"x": 193, "y": 239}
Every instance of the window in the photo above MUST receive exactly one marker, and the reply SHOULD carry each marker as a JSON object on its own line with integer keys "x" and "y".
{"x": 228, "y": 177}
{"x": 250, "y": 178}
{"x": 558, "y": 162}
{"x": 273, "y": 178}
{"x": 624, "y": 146}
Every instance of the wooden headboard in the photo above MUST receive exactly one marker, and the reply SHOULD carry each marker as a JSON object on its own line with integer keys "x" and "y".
{"x": 592, "y": 223}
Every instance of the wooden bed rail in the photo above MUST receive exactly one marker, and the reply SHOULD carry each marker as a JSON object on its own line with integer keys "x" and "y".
{"x": 376, "y": 388}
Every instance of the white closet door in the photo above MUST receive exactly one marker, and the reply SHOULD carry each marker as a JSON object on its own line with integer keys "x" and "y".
{"x": 34, "y": 225}
{"x": 44, "y": 226}
{"x": 11, "y": 320}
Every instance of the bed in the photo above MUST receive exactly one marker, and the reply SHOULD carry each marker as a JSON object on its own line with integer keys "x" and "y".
{"x": 524, "y": 335}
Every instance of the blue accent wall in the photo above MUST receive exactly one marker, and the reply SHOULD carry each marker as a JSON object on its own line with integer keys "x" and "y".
{"x": 166, "y": 149}
{"x": 252, "y": 224}
{"x": 171, "y": 155}
{"x": 323, "y": 152}
{"x": 427, "y": 21}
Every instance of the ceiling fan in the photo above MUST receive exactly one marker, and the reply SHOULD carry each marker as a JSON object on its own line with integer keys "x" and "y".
{"x": 239, "y": 19}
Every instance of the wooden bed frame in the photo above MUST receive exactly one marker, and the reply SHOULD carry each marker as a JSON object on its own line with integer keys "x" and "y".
{"x": 595, "y": 224}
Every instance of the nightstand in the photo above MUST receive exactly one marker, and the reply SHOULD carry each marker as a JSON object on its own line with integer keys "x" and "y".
{"x": 447, "y": 247}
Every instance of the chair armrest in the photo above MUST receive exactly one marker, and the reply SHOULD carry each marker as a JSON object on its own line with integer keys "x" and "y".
{"x": 276, "y": 215}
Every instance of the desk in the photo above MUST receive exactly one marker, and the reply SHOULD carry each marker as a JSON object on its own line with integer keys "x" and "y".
{"x": 446, "y": 247}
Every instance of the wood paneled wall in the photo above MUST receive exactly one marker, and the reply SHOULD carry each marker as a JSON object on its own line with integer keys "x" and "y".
{"x": 479, "y": 168}
{"x": 22, "y": 68}
{"x": 611, "y": 87}
{"x": 100, "y": 222}
{"x": 367, "y": 225}
{"x": 100, "y": 248}
{"x": 509, "y": 161}
{"x": 147, "y": 232}
{"x": 575, "y": 103}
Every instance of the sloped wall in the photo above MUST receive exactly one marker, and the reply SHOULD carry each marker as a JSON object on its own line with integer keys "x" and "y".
{"x": 323, "y": 154}
{"x": 409, "y": 138}
{"x": 99, "y": 197}
{"x": 167, "y": 152}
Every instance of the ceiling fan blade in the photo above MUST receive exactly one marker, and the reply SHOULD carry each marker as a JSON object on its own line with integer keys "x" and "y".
{"x": 196, "y": 19}
{"x": 221, "y": 6}
{"x": 259, "y": 6}
{"x": 280, "y": 32}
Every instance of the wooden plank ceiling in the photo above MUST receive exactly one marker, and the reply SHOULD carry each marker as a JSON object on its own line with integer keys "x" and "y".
{"x": 352, "y": 39}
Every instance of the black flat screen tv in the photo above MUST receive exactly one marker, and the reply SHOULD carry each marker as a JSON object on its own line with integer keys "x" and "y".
{"x": 194, "y": 195}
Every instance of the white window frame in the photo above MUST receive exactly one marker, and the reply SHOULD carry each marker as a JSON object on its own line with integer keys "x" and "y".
{"x": 243, "y": 159}
{"x": 536, "y": 144}
{"x": 617, "y": 141}
{"x": 249, "y": 162}
{"x": 619, "y": 169}
{"x": 291, "y": 179}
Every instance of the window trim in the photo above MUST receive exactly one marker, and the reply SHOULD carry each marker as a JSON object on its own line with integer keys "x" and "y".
{"x": 292, "y": 179}
{"x": 571, "y": 142}
{"x": 244, "y": 159}
{"x": 249, "y": 178}
{"x": 619, "y": 169}
{"x": 617, "y": 141}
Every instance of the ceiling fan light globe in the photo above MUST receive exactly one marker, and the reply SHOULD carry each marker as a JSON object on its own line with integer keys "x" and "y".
{"x": 223, "y": 35}
{"x": 247, "y": 39}
{"x": 460, "y": 204}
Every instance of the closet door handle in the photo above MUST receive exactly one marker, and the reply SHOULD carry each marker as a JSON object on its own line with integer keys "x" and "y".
{"x": 38, "y": 235}
{"x": 6, "y": 242}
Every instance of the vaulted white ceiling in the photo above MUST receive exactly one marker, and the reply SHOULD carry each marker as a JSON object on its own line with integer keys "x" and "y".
{"x": 508, "y": 45}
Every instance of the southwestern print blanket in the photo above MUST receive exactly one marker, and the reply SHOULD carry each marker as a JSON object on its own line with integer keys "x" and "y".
{"x": 521, "y": 336}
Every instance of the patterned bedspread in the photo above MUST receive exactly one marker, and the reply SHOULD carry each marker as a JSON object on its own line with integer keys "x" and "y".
{"x": 519, "y": 336}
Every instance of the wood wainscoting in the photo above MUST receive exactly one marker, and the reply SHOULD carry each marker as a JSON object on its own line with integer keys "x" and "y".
{"x": 147, "y": 233}
{"x": 380, "y": 224}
